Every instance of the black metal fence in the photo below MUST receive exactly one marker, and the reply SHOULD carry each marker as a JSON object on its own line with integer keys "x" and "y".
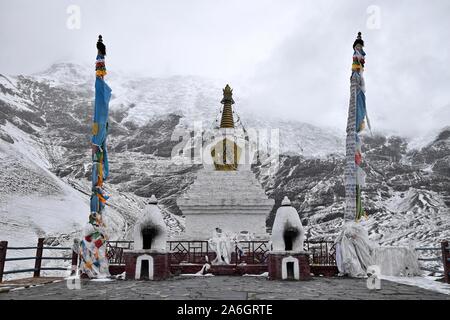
{"x": 188, "y": 251}
{"x": 322, "y": 253}
{"x": 195, "y": 251}
{"x": 428, "y": 255}
{"x": 445, "y": 247}
{"x": 114, "y": 251}
{"x": 252, "y": 252}
{"x": 38, "y": 258}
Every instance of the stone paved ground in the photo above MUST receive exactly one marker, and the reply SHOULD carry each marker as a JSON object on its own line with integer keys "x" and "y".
{"x": 236, "y": 288}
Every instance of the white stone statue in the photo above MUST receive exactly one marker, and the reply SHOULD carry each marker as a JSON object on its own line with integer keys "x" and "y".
{"x": 223, "y": 246}
{"x": 287, "y": 231}
{"x": 150, "y": 224}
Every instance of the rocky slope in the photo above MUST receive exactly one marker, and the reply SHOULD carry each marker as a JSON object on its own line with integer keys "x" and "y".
{"x": 406, "y": 196}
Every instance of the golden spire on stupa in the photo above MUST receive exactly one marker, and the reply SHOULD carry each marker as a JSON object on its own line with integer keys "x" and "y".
{"x": 227, "y": 120}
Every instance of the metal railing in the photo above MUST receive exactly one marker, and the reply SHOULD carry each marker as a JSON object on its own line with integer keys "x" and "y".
{"x": 446, "y": 260}
{"x": 321, "y": 252}
{"x": 252, "y": 252}
{"x": 249, "y": 252}
{"x": 38, "y": 257}
{"x": 114, "y": 251}
{"x": 435, "y": 253}
{"x": 188, "y": 251}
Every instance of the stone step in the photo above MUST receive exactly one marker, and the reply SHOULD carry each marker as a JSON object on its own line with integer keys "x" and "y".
{"x": 229, "y": 212}
{"x": 236, "y": 191}
{"x": 224, "y": 195}
{"x": 224, "y": 186}
{"x": 228, "y": 182}
{"x": 224, "y": 205}
{"x": 242, "y": 201}
{"x": 225, "y": 202}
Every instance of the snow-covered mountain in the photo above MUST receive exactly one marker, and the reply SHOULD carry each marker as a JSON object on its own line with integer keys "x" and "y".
{"x": 45, "y": 122}
{"x": 406, "y": 194}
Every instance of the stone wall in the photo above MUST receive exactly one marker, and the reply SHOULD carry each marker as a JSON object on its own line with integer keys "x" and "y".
{"x": 201, "y": 227}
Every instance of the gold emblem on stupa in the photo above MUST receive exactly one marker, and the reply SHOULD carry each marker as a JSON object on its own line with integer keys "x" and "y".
{"x": 226, "y": 153}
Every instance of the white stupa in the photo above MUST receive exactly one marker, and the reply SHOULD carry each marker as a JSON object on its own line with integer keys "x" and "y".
{"x": 150, "y": 231}
{"x": 226, "y": 193}
{"x": 287, "y": 231}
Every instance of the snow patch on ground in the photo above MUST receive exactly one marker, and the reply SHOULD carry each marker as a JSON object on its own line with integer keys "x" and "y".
{"x": 421, "y": 282}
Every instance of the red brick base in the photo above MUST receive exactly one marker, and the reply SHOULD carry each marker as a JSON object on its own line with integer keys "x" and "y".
{"x": 275, "y": 264}
{"x": 116, "y": 269}
{"x": 160, "y": 264}
{"x": 226, "y": 270}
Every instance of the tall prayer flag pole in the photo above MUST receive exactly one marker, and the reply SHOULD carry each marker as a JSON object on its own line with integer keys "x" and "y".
{"x": 93, "y": 260}
{"x": 354, "y": 175}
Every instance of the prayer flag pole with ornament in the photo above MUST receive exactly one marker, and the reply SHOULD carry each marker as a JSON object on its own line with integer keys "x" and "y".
{"x": 354, "y": 175}
{"x": 93, "y": 260}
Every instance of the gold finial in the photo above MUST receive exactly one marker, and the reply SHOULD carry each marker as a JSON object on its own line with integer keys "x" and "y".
{"x": 227, "y": 95}
{"x": 227, "y": 89}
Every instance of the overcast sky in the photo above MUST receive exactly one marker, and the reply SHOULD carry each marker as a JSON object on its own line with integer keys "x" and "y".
{"x": 288, "y": 58}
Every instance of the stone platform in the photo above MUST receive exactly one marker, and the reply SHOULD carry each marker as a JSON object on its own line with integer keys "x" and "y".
{"x": 229, "y": 288}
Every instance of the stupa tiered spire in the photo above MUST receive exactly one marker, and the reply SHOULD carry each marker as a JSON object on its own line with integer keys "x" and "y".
{"x": 227, "y": 120}
{"x": 226, "y": 194}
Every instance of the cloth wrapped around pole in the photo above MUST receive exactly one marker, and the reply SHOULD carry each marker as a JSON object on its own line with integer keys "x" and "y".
{"x": 355, "y": 252}
{"x": 357, "y": 113}
{"x": 93, "y": 258}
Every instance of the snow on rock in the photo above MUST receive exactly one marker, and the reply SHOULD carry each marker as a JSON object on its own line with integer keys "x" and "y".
{"x": 66, "y": 74}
